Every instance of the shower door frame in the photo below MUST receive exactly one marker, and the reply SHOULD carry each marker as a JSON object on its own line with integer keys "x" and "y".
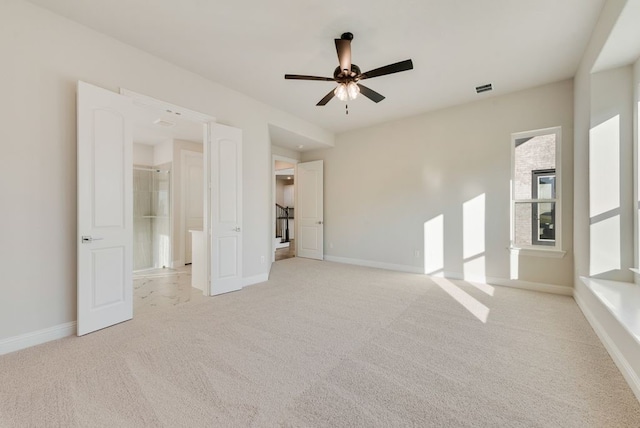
{"x": 169, "y": 261}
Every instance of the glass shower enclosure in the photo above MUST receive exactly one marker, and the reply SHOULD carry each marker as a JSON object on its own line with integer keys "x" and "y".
{"x": 151, "y": 218}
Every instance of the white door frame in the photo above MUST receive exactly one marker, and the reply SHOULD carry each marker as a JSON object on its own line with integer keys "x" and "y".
{"x": 184, "y": 154}
{"x": 207, "y": 122}
{"x": 275, "y": 158}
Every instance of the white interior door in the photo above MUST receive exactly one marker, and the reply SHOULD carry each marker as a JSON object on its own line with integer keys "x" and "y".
{"x": 309, "y": 210}
{"x": 193, "y": 197}
{"x": 225, "y": 155}
{"x": 105, "y": 209}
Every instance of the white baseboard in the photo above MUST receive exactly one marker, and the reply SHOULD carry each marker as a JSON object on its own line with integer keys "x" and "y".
{"x": 379, "y": 265}
{"x": 516, "y": 283}
{"x": 610, "y": 344}
{"x": 256, "y": 279}
{"x": 525, "y": 285}
{"x": 27, "y": 340}
{"x": 533, "y": 286}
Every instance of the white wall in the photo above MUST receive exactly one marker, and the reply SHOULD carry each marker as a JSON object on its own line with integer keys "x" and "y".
{"x": 383, "y": 183}
{"x": 598, "y": 98}
{"x": 142, "y": 154}
{"x": 163, "y": 152}
{"x": 287, "y": 153}
{"x": 611, "y": 175}
{"x": 582, "y": 127}
{"x": 636, "y": 166}
{"x": 280, "y": 192}
{"x": 43, "y": 57}
{"x": 178, "y": 246}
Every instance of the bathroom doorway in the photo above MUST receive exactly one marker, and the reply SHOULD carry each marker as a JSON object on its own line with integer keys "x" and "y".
{"x": 165, "y": 189}
{"x": 105, "y": 209}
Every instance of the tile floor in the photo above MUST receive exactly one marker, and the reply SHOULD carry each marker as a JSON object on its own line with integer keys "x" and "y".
{"x": 162, "y": 288}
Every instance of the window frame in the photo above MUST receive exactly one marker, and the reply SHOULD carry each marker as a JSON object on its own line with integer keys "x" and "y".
{"x": 536, "y": 175}
{"x": 539, "y": 249}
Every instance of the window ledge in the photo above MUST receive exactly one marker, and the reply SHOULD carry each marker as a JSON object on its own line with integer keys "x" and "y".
{"x": 622, "y": 299}
{"x": 538, "y": 252}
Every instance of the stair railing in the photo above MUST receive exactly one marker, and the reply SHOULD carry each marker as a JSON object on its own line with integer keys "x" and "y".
{"x": 283, "y": 215}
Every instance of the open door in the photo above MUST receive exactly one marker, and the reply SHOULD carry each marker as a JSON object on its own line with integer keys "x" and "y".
{"x": 309, "y": 207}
{"x": 225, "y": 154}
{"x": 105, "y": 212}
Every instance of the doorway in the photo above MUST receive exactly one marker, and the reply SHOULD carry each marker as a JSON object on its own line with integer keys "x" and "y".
{"x": 284, "y": 235}
{"x": 168, "y": 208}
{"x": 105, "y": 204}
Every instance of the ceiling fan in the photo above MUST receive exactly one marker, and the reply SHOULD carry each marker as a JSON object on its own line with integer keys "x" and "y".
{"x": 348, "y": 75}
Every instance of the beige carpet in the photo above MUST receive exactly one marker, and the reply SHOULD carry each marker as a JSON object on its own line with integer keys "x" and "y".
{"x": 324, "y": 344}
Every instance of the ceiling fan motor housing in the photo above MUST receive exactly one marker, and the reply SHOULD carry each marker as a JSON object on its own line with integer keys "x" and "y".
{"x": 341, "y": 78}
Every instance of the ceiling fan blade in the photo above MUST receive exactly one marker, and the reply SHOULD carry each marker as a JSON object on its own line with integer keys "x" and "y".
{"x": 371, "y": 94}
{"x": 326, "y": 98}
{"x": 301, "y": 77}
{"x": 388, "y": 69}
{"x": 343, "y": 47}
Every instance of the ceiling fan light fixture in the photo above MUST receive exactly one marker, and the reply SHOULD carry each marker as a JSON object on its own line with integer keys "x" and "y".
{"x": 347, "y": 91}
{"x": 352, "y": 90}
{"x": 341, "y": 92}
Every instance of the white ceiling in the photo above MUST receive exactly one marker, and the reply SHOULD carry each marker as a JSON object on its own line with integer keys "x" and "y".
{"x": 455, "y": 45}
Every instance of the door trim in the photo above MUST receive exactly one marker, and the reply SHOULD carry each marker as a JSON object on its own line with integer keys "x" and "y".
{"x": 184, "y": 154}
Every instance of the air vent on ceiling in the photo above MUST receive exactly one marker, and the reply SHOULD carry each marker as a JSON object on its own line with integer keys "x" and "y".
{"x": 165, "y": 123}
{"x": 484, "y": 88}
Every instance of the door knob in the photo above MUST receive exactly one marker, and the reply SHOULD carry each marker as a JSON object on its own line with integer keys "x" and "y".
{"x": 320, "y": 222}
{"x": 236, "y": 229}
{"x": 89, "y": 239}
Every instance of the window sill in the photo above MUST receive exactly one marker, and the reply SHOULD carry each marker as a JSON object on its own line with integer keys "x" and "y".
{"x": 538, "y": 252}
{"x": 622, "y": 299}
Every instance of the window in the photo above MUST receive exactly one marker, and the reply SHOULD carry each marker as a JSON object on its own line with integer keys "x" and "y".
{"x": 543, "y": 230}
{"x": 535, "y": 187}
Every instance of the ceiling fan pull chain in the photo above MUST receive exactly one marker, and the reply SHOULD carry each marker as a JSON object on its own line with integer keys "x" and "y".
{"x": 346, "y": 107}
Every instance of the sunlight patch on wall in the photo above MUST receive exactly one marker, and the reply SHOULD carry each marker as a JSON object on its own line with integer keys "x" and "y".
{"x": 473, "y": 230}
{"x": 605, "y": 246}
{"x": 474, "y": 269}
{"x": 604, "y": 197}
{"x": 604, "y": 167}
{"x": 514, "y": 265}
{"x": 476, "y": 308}
{"x": 473, "y": 226}
{"x": 434, "y": 245}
